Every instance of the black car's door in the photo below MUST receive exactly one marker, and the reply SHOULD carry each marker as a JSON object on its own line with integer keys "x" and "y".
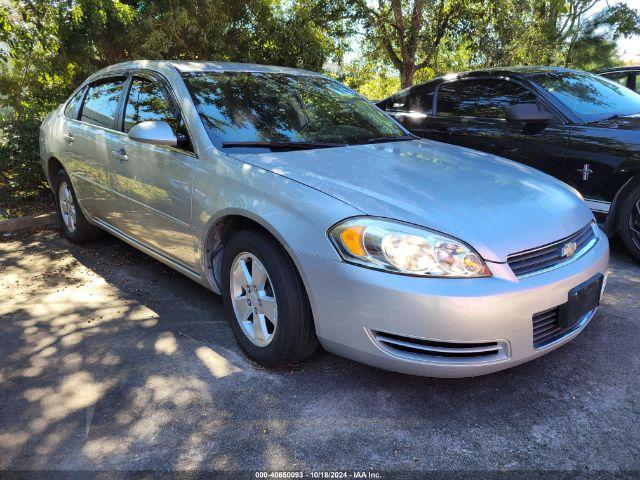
{"x": 472, "y": 113}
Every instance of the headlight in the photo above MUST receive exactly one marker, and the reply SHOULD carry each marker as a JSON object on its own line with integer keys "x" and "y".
{"x": 401, "y": 248}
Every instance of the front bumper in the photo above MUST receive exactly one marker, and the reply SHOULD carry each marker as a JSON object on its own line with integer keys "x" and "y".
{"x": 353, "y": 305}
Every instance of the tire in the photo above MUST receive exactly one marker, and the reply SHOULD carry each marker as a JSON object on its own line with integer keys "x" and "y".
{"x": 74, "y": 224}
{"x": 629, "y": 222}
{"x": 292, "y": 337}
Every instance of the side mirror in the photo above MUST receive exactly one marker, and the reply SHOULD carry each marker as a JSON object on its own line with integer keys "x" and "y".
{"x": 528, "y": 113}
{"x": 155, "y": 132}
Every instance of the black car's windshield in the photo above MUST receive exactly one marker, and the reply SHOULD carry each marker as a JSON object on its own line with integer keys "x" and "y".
{"x": 589, "y": 96}
{"x": 242, "y": 110}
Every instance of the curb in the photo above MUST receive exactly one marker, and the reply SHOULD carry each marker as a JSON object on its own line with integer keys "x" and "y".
{"x": 14, "y": 225}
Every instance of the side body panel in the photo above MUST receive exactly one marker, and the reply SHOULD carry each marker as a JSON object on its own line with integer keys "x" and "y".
{"x": 600, "y": 161}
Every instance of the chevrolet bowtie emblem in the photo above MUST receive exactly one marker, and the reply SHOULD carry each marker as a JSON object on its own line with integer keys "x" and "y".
{"x": 568, "y": 249}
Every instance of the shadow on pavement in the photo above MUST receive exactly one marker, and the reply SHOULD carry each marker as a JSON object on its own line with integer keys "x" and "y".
{"x": 111, "y": 360}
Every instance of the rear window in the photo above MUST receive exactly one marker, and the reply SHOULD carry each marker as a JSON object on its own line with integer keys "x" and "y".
{"x": 101, "y": 103}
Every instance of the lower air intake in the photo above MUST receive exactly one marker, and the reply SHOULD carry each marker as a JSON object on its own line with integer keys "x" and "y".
{"x": 448, "y": 352}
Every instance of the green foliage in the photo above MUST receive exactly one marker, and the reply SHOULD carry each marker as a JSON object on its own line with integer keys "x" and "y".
{"x": 21, "y": 175}
{"x": 47, "y": 47}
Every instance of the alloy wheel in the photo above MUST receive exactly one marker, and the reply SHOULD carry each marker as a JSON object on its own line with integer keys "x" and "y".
{"x": 67, "y": 206}
{"x": 253, "y": 299}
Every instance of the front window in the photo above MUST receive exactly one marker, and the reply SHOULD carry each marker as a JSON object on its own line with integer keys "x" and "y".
{"x": 148, "y": 102}
{"x": 481, "y": 98}
{"x": 244, "y": 107}
{"x": 589, "y": 96}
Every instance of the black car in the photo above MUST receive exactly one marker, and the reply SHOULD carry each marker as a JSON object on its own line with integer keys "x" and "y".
{"x": 577, "y": 126}
{"x": 628, "y": 76}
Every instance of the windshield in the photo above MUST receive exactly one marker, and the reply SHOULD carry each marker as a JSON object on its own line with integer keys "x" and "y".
{"x": 589, "y": 96}
{"x": 249, "y": 107}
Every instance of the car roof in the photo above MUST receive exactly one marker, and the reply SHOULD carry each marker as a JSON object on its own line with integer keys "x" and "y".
{"x": 514, "y": 72}
{"x": 626, "y": 68}
{"x": 185, "y": 66}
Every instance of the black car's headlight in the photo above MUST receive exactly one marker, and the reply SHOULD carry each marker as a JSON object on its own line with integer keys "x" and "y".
{"x": 407, "y": 249}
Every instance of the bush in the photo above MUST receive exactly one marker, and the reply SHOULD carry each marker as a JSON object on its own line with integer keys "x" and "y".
{"x": 22, "y": 179}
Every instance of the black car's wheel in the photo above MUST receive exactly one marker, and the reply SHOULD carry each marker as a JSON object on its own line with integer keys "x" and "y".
{"x": 265, "y": 301}
{"x": 74, "y": 224}
{"x": 629, "y": 222}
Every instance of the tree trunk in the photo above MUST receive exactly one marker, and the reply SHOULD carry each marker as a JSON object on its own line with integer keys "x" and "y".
{"x": 406, "y": 75}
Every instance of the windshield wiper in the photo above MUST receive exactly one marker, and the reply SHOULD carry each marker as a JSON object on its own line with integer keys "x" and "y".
{"x": 398, "y": 138}
{"x": 283, "y": 145}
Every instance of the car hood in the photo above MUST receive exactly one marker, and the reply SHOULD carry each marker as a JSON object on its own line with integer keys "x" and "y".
{"x": 627, "y": 122}
{"x": 497, "y": 206}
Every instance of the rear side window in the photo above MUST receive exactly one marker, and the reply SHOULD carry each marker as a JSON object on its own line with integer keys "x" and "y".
{"x": 416, "y": 100}
{"x": 101, "y": 103}
{"x": 481, "y": 98}
{"x": 148, "y": 101}
{"x": 71, "y": 110}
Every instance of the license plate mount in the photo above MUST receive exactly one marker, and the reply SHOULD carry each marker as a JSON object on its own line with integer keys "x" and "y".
{"x": 582, "y": 299}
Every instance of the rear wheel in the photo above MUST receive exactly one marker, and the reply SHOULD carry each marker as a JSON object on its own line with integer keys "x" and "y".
{"x": 629, "y": 222}
{"x": 265, "y": 301}
{"x": 74, "y": 224}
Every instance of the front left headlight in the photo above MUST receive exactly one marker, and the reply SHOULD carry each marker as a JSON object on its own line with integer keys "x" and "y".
{"x": 406, "y": 249}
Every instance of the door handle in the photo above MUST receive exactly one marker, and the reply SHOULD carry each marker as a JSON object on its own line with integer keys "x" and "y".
{"x": 121, "y": 155}
{"x": 69, "y": 138}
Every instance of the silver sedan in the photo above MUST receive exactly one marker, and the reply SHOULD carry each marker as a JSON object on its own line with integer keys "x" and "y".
{"x": 321, "y": 221}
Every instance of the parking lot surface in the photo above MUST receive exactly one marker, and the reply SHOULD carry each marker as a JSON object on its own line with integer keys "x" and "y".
{"x": 111, "y": 361}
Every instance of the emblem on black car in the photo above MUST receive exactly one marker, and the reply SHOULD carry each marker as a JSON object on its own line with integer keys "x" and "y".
{"x": 568, "y": 249}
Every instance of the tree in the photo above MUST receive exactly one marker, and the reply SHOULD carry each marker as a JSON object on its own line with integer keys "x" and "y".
{"x": 552, "y": 32}
{"x": 409, "y": 33}
{"x": 301, "y": 34}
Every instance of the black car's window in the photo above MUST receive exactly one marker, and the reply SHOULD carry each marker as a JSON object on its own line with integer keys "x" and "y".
{"x": 480, "y": 98}
{"x": 636, "y": 82}
{"x": 148, "y": 101}
{"x": 279, "y": 107}
{"x": 101, "y": 103}
{"x": 417, "y": 100}
{"x": 589, "y": 96}
{"x": 620, "y": 78}
{"x": 71, "y": 110}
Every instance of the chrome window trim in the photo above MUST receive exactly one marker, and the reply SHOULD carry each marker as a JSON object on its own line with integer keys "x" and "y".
{"x": 579, "y": 254}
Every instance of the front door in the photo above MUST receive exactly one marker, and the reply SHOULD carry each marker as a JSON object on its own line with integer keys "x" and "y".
{"x": 472, "y": 113}
{"x": 154, "y": 182}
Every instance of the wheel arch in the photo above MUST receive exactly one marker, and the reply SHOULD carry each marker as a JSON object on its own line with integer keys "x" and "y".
{"x": 221, "y": 228}
{"x": 53, "y": 166}
{"x": 612, "y": 224}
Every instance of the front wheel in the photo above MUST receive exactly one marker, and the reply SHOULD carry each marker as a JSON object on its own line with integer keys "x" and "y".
{"x": 265, "y": 301}
{"x": 629, "y": 222}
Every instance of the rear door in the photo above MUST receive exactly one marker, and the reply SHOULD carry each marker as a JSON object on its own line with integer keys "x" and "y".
{"x": 154, "y": 182}
{"x": 472, "y": 113}
{"x": 89, "y": 138}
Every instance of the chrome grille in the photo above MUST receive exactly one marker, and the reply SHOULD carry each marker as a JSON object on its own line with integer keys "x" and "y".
{"x": 438, "y": 350}
{"x": 551, "y": 256}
